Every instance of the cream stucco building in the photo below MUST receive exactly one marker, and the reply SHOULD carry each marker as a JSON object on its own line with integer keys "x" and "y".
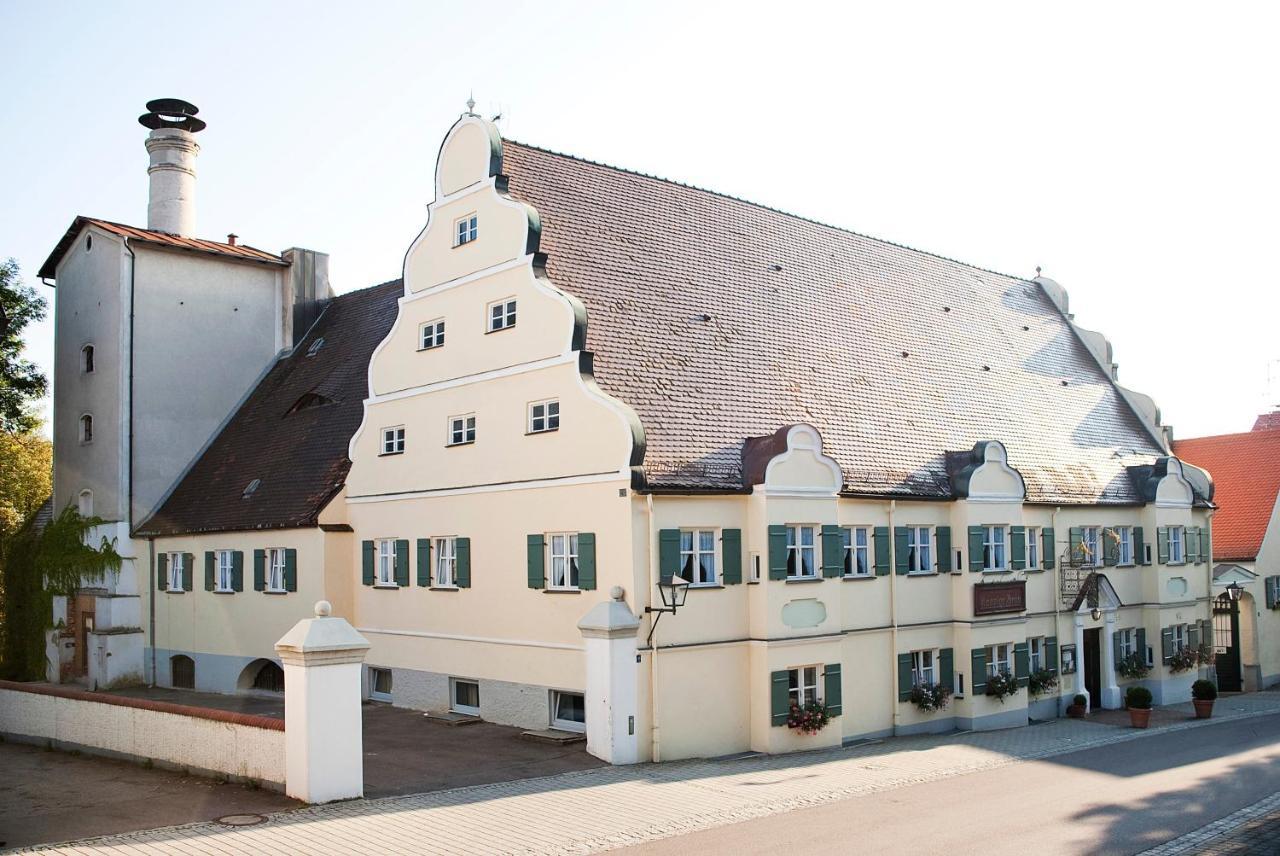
{"x": 880, "y": 470}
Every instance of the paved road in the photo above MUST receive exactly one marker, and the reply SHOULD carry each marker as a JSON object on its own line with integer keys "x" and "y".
{"x": 1117, "y": 799}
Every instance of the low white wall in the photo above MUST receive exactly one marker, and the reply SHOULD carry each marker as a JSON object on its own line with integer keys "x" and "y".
{"x": 241, "y": 746}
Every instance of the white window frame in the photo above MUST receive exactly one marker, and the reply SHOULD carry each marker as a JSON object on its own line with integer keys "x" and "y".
{"x": 920, "y": 558}
{"x": 373, "y": 683}
{"x": 386, "y": 558}
{"x": 223, "y": 572}
{"x": 995, "y": 549}
{"x": 466, "y": 230}
{"x": 799, "y": 691}
{"x": 798, "y": 551}
{"x": 567, "y": 724}
{"x": 1179, "y": 637}
{"x": 1128, "y": 642}
{"x": 431, "y": 334}
{"x": 923, "y": 675}
{"x": 505, "y": 319}
{"x": 458, "y": 707}
{"x": 568, "y": 571}
{"x": 997, "y": 664}
{"x": 1091, "y": 540}
{"x": 393, "y": 440}
{"x": 756, "y": 572}
{"x": 1124, "y": 546}
{"x": 857, "y": 545}
{"x": 698, "y": 551}
{"x": 446, "y": 562}
{"x": 544, "y": 416}
{"x": 1035, "y": 654}
{"x": 1177, "y": 545}
{"x": 461, "y": 430}
{"x": 175, "y": 572}
{"x": 1034, "y": 545}
{"x": 275, "y": 569}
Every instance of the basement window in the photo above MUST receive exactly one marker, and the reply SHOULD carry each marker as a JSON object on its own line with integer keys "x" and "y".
{"x": 465, "y": 697}
{"x": 379, "y": 684}
{"x": 568, "y": 711}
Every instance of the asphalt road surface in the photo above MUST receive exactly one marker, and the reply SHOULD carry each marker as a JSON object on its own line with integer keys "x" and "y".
{"x": 1117, "y": 799}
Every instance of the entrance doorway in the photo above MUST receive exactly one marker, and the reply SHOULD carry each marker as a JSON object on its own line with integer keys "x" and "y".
{"x": 1092, "y": 665}
{"x": 1226, "y": 643}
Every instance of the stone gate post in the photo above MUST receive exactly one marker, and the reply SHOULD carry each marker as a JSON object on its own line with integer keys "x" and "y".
{"x": 609, "y": 635}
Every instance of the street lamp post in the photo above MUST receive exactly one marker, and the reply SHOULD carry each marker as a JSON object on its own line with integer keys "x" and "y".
{"x": 673, "y": 592}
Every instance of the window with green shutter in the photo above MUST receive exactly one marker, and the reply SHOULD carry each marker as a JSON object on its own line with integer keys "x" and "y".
{"x": 946, "y": 666}
{"x": 537, "y": 561}
{"x": 259, "y": 570}
{"x": 904, "y": 677}
{"x": 210, "y": 569}
{"x": 1051, "y": 654}
{"x": 881, "y": 538}
{"x": 1139, "y": 547}
{"x": 462, "y": 562}
{"x": 779, "y": 696}
{"x": 1018, "y": 547}
{"x": 832, "y": 551}
{"x": 978, "y": 677}
{"x": 402, "y": 562}
{"x": 1049, "y": 548}
{"x": 424, "y": 562}
{"x": 977, "y": 540}
{"x": 777, "y": 552}
{"x": 237, "y": 570}
{"x": 188, "y": 571}
{"x": 368, "y": 563}
{"x": 944, "y": 549}
{"x": 587, "y": 561}
{"x": 290, "y": 569}
{"x": 831, "y": 690}
{"x": 901, "y": 551}
{"x": 162, "y": 571}
{"x": 668, "y": 554}
{"x": 731, "y": 554}
{"x": 1021, "y": 663}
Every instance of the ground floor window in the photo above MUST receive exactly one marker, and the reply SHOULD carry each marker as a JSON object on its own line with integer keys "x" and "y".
{"x": 1179, "y": 637}
{"x": 999, "y": 660}
{"x": 1035, "y": 654}
{"x": 802, "y": 685}
{"x": 379, "y": 684}
{"x": 924, "y": 668}
{"x": 182, "y": 672}
{"x": 568, "y": 711}
{"x": 1127, "y": 646}
{"x": 465, "y": 697}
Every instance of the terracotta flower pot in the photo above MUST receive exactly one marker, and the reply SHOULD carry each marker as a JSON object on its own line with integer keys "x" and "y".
{"x": 1075, "y": 711}
{"x": 1139, "y": 718}
{"x": 1204, "y": 708}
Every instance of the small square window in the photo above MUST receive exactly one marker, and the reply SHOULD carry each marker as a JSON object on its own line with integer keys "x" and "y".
{"x": 502, "y": 315}
{"x": 431, "y": 334}
{"x": 393, "y": 440}
{"x": 462, "y": 430}
{"x": 568, "y": 711}
{"x": 544, "y": 416}
{"x": 465, "y": 697}
{"x": 379, "y": 684}
{"x": 466, "y": 230}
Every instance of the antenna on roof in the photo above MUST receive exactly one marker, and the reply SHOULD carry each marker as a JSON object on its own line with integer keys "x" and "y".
{"x": 471, "y": 103}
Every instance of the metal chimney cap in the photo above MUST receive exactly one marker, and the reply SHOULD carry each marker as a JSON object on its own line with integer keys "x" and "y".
{"x": 172, "y": 113}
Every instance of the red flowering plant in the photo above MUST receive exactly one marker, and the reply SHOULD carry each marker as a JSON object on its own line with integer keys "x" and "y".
{"x": 809, "y": 719}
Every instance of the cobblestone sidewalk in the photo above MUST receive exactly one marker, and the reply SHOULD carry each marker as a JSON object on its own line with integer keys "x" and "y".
{"x": 601, "y": 809}
{"x": 1253, "y": 830}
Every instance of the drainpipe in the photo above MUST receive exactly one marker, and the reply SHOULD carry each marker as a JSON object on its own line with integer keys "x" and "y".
{"x": 1211, "y": 668}
{"x": 151, "y": 563}
{"x": 893, "y": 618}
{"x": 1057, "y": 602}
{"x": 653, "y": 645}
{"x": 128, "y": 511}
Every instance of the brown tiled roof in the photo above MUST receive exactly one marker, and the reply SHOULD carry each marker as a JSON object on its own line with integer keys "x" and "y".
{"x": 301, "y": 456}
{"x": 1246, "y": 477}
{"x": 242, "y": 252}
{"x": 720, "y": 320}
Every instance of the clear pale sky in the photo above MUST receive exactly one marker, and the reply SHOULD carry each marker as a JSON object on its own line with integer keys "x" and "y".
{"x": 1129, "y": 149}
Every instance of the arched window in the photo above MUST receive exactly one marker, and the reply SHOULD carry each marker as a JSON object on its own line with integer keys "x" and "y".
{"x": 86, "y": 428}
{"x": 86, "y": 359}
{"x": 86, "y": 503}
{"x": 182, "y": 672}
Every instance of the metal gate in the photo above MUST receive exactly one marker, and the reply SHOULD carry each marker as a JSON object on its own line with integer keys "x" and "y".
{"x": 1226, "y": 643}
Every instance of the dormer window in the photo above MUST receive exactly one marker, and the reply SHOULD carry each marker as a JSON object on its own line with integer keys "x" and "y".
{"x": 86, "y": 428}
{"x": 86, "y": 359}
{"x": 502, "y": 315}
{"x": 431, "y": 334}
{"x": 465, "y": 230}
{"x": 393, "y": 440}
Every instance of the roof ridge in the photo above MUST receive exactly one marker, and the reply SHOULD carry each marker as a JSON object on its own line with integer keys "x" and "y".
{"x": 1263, "y": 432}
{"x": 367, "y": 288}
{"x": 175, "y": 235}
{"x": 769, "y": 208}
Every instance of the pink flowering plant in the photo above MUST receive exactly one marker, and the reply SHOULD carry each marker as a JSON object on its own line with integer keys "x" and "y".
{"x": 1185, "y": 659}
{"x": 809, "y": 719}
{"x": 930, "y": 697}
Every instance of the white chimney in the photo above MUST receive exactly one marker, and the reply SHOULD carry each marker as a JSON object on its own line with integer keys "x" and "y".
{"x": 171, "y": 204}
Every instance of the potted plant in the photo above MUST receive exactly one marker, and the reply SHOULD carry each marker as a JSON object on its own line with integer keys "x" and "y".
{"x": 1184, "y": 659}
{"x": 1000, "y": 685}
{"x": 1138, "y": 701}
{"x": 1078, "y": 708}
{"x": 930, "y": 697}
{"x": 810, "y": 719}
{"x": 1133, "y": 667}
{"x": 1041, "y": 681}
{"x": 1202, "y": 695}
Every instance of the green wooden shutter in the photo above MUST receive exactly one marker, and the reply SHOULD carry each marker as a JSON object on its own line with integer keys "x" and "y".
{"x": 731, "y": 556}
{"x": 779, "y": 697}
{"x": 1193, "y": 636}
{"x": 1139, "y": 547}
{"x": 1115, "y": 648}
{"x": 290, "y": 569}
{"x": 1018, "y": 548}
{"x": 1166, "y": 645}
{"x": 462, "y": 562}
{"x": 904, "y": 677}
{"x": 1273, "y": 592}
{"x": 537, "y": 562}
{"x": 777, "y": 552}
{"x": 1191, "y": 545}
{"x": 402, "y": 562}
{"x": 1075, "y": 545}
{"x": 587, "y": 561}
{"x": 369, "y": 574}
{"x": 1162, "y": 545}
{"x": 1022, "y": 662}
{"x": 1206, "y": 545}
{"x": 259, "y": 570}
{"x": 831, "y": 688}
{"x": 1206, "y": 633}
{"x": 1050, "y": 547}
{"x": 1110, "y": 547}
{"x": 946, "y": 668}
{"x": 881, "y": 538}
{"x": 668, "y": 554}
{"x": 1051, "y": 653}
{"x": 424, "y": 562}
{"x": 237, "y": 570}
{"x": 1141, "y": 642}
{"x": 209, "y": 560}
{"x": 162, "y": 571}
{"x": 978, "y": 680}
{"x": 944, "y": 549}
{"x": 901, "y": 550}
{"x": 832, "y": 551}
{"x": 977, "y": 539}
{"x": 188, "y": 571}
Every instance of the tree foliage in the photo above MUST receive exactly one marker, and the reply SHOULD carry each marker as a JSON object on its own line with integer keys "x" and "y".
{"x": 21, "y": 381}
{"x": 26, "y": 478}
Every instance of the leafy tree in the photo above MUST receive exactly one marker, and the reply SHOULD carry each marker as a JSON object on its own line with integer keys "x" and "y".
{"x": 26, "y": 470}
{"x": 21, "y": 381}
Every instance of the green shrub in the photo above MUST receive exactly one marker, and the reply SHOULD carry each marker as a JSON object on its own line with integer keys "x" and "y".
{"x": 1138, "y": 698}
{"x": 1203, "y": 690}
{"x": 1080, "y": 701}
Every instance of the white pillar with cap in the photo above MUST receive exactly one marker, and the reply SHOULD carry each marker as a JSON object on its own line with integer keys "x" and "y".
{"x": 324, "y": 756}
{"x": 609, "y": 636}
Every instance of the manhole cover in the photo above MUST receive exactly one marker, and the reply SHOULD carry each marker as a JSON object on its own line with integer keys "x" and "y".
{"x": 240, "y": 819}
